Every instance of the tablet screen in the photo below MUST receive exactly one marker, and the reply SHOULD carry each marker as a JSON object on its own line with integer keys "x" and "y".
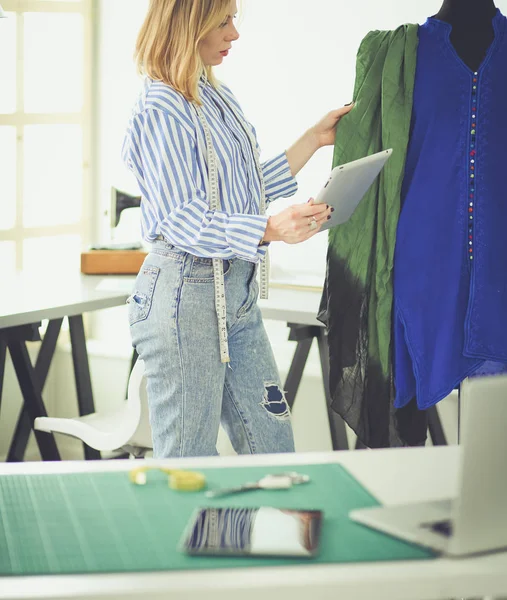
{"x": 263, "y": 531}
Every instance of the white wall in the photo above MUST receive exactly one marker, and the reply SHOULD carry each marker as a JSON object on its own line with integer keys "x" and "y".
{"x": 117, "y": 86}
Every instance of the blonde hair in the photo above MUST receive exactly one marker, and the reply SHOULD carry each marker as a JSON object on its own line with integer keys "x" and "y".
{"x": 167, "y": 47}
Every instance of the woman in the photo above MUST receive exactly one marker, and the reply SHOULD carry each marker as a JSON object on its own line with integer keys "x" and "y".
{"x": 193, "y": 315}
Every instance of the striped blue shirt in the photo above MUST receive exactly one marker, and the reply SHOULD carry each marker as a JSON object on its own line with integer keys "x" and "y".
{"x": 165, "y": 148}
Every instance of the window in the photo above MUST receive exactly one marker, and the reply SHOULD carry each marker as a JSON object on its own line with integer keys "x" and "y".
{"x": 45, "y": 132}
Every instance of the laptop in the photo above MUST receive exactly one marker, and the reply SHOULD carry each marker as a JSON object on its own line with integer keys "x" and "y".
{"x": 476, "y": 521}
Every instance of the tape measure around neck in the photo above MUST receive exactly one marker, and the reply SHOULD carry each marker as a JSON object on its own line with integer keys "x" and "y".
{"x": 214, "y": 203}
{"x": 264, "y": 267}
{"x": 218, "y": 265}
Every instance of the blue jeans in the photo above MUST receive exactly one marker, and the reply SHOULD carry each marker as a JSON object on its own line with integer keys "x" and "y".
{"x": 174, "y": 329}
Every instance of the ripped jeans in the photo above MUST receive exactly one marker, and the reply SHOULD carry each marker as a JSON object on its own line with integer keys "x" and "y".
{"x": 174, "y": 329}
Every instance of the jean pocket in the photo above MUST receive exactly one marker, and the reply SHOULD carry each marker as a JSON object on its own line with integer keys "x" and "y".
{"x": 140, "y": 301}
{"x": 252, "y": 296}
{"x": 201, "y": 270}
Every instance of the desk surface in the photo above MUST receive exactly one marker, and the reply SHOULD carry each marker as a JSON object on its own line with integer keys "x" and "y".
{"x": 292, "y": 305}
{"x": 393, "y": 476}
{"x": 34, "y": 297}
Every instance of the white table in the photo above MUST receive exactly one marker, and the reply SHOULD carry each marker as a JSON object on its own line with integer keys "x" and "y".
{"x": 34, "y": 297}
{"x": 393, "y": 476}
{"x": 293, "y": 305}
{"x": 31, "y": 298}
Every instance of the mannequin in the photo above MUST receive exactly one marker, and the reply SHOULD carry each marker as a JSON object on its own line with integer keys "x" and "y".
{"x": 472, "y": 29}
{"x": 415, "y": 299}
{"x": 470, "y": 117}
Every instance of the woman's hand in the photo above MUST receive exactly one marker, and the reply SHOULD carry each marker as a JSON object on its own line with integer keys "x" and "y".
{"x": 297, "y": 223}
{"x": 325, "y": 130}
{"x": 321, "y": 134}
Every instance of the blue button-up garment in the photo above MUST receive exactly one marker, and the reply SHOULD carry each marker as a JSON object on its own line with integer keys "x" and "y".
{"x": 450, "y": 275}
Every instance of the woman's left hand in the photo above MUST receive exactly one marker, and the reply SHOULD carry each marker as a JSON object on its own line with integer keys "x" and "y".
{"x": 321, "y": 134}
{"x": 325, "y": 129}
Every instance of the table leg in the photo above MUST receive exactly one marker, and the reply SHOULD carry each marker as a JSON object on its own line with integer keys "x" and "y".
{"x": 304, "y": 336}
{"x": 435, "y": 427}
{"x": 32, "y": 397}
{"x": 336, "y": 423}
{"x": 459, "y": 415}
{"x": 24, "y": 425}
{"x": 296, "y": 369}
{"x": 133, "y": 361}
{"x": 82, "y": 376}
{"x": 3, "y": 356}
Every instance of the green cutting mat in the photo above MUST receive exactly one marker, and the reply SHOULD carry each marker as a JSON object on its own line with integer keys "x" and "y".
{"x": 100, "y": 522}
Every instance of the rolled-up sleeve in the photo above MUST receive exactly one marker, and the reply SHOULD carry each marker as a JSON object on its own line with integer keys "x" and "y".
{"x": 278, "y": 178}
{"x": 165, "y": 164}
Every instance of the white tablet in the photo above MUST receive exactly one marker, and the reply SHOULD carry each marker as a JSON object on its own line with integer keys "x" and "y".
{"x": 348, "y": 184}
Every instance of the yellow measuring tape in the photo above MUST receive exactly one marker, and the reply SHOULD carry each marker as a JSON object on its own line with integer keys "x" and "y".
{"x": 182, "y": 481}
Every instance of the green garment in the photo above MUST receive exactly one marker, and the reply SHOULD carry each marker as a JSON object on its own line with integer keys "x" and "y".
{"x": 358, "y": 296}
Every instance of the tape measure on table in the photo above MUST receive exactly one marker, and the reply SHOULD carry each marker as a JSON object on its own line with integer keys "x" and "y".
{"x": 182, "y": 481}
{"x": 214, "y": 202}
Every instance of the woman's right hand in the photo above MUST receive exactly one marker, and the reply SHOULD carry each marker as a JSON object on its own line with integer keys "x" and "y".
{"x": 295, "y": 224}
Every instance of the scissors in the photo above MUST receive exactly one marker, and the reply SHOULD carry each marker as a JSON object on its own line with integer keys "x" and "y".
{"x": 275, "y": 481}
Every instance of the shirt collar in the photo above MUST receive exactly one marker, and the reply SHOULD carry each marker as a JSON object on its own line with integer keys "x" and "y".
{"x": 203, "y": 79}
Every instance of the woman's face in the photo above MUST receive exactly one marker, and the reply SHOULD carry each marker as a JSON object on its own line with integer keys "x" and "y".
{"x": 216, "y": 45}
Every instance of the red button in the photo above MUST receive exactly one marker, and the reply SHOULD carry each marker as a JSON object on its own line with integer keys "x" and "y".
{"x": 470, "y": 210}
{"x": 472, "y": 153}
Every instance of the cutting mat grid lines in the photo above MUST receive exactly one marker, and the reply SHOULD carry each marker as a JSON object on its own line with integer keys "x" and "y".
{"x": 101, "y": 522}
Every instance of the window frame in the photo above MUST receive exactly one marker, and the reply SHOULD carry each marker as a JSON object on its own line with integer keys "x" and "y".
{"x": 19, "y": 119}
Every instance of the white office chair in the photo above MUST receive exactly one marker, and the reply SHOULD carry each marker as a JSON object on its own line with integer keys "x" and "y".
{"x": 126, "y": 428}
